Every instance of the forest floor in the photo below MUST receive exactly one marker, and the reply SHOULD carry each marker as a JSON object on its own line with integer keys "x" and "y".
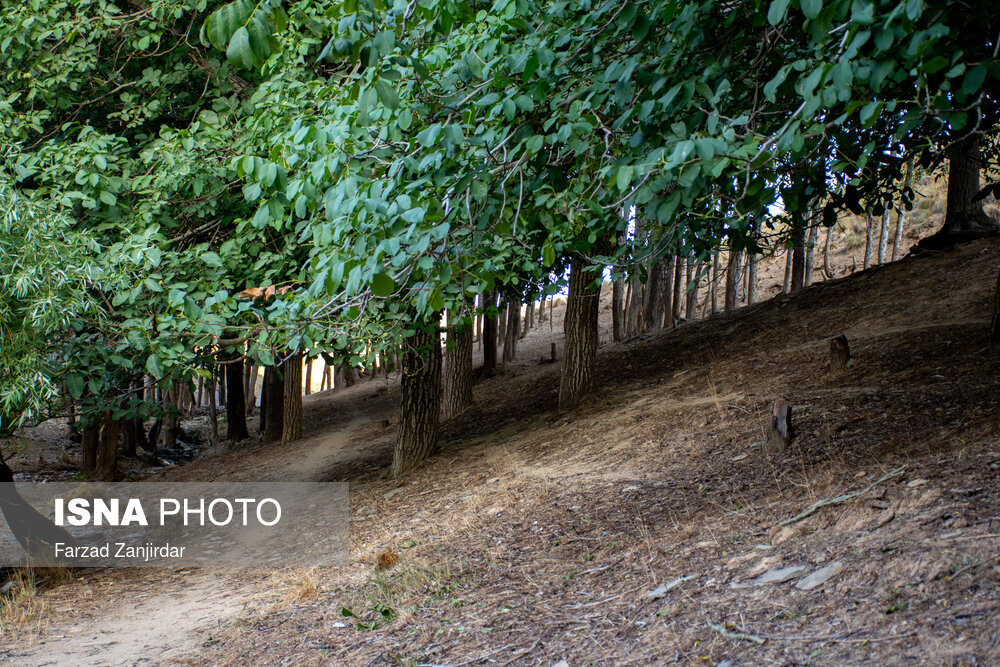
{"x": 634, "y": 530}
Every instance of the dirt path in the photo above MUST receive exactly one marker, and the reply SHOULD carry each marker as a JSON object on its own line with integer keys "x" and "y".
{"x": 165, "y": 614}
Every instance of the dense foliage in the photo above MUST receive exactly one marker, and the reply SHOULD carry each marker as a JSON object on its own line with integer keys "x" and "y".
{"x": 385, "y": 160}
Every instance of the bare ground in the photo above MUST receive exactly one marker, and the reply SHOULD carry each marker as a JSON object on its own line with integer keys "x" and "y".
{"x": 533, "y": 536}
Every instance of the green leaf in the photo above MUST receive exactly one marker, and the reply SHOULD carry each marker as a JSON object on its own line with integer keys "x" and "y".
{"x": 239, "y": 53}
{"x": 75, "y": 384}
{"x": 211, "y": 259}
{"x": 549, "y": 254}
{"x": 812, "y": 8}
{"x": 624, "y": 177}
{"x": 154, "y": 366}
{"x": 387, "y": 94}
{"x": 776, "y": 12}
{"x": 382, "y": 285}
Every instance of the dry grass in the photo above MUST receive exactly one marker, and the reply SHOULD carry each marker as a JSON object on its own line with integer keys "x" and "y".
{"x": 21, "y": 609}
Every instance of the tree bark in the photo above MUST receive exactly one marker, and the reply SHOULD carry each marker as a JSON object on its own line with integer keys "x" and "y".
{"x": 897, "y": 241}
{"x": 513, "y": 331}
{"x": 236, "y": 416}
{"x": 733, "y": 280}
{"x": 883, "y": 236}
{"x": 786, "y": 284}
{"x": 529, "y": 318}
{"x": 420, "y": 400}
{"x": 963, "y": 214}
{"x": 458, "y": 366}
{"x": 309, "y": 376}
{"x": 489, "y": 336}
{"x": 714, "y": 288}
{"x": 213, "y": 414}
{"x": 106, "y": 465}
{"x": 799, "y": 262}
{"x": 827, "y": 271}
{"x": 617, "y": 304}
{"x": 840, "y": 354}
{"x": 634, "y": 303}
{"x": 752, "y": 279}
{"x": 869, "y": 239}
{"x": 692, "y": 290}
{"x": 580, "y": 327}
{"x": 667, "y": 314}
{"x": 272, "y": 409}
{"x": 292, "y": 395}
{"x": 679, "y": 288}
{"x": 657, "y": 284}
{"x": 88, "y": 447}
{"x": 810, "y": 255}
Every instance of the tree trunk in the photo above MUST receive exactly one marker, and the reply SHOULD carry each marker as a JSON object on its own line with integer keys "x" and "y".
{"x": 883, "y": 236}
{"x": 513, "y": 330}
{"x": 714, "y": 287}
{"x": 130, "y": 440}
{"x": 236, "y": 417}
{"x": 897, "y": 241}
{"x": 490, "y": 327}
{"x": 580, "y": 327}
{"x": 869, "y": 239}
{"x": 752, "y": 278}
{"x": 786, "y": 285}
{"x": 827, "y": 271}
{"x": 963, "y": 214}
{"x": 420, "y": 400}
{"x": 633, "y": 305}
{"x": 309, "y": 376}
{"x": 807, "y": 278}
{"x": 679, "y": 288}
{"x": 733, "y": 280}
{"x": 106, "y": 465}
{"x": 272, "y": 409}
{"x": 657, "y": 289}
{"x": 171, "y": 420}
{"x": 292, "y": 417}
{"x": 617, "y": 304}
{"x": 222, "y": 387}
{"x": 667, "y": 313}
{"x": 88, "y": 447}
{"x": 251, "y": 390}
{"x": 692, "y": 290}
{"x": 799, "y": 262}
{"x": 213, "y": 414}
{"x": 529, "y": 318}
{"x": 458, "y": 380}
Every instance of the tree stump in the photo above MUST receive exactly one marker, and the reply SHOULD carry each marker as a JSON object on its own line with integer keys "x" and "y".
{"x": 779, "y": 429}
{"x": 840, "y": 355}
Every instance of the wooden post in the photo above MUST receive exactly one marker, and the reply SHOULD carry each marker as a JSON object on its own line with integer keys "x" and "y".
{"x": 840, "y": 354}
{"x": 779, "y": 429}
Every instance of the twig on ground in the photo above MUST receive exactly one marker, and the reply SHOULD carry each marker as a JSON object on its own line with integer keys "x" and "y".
{"x": 841, "y": 499}
{"x": 721, "y": 629}
{"x": 969, "y": 567}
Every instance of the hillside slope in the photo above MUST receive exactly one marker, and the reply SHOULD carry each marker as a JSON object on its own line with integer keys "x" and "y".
{"x": 533, "y": 537}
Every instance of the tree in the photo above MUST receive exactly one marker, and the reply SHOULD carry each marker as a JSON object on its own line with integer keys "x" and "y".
{"x": 458, "y": 381}
{"x": 420, "y": 399}
{"x": 580, "y": 328}
{"x": 291, "y": 426}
